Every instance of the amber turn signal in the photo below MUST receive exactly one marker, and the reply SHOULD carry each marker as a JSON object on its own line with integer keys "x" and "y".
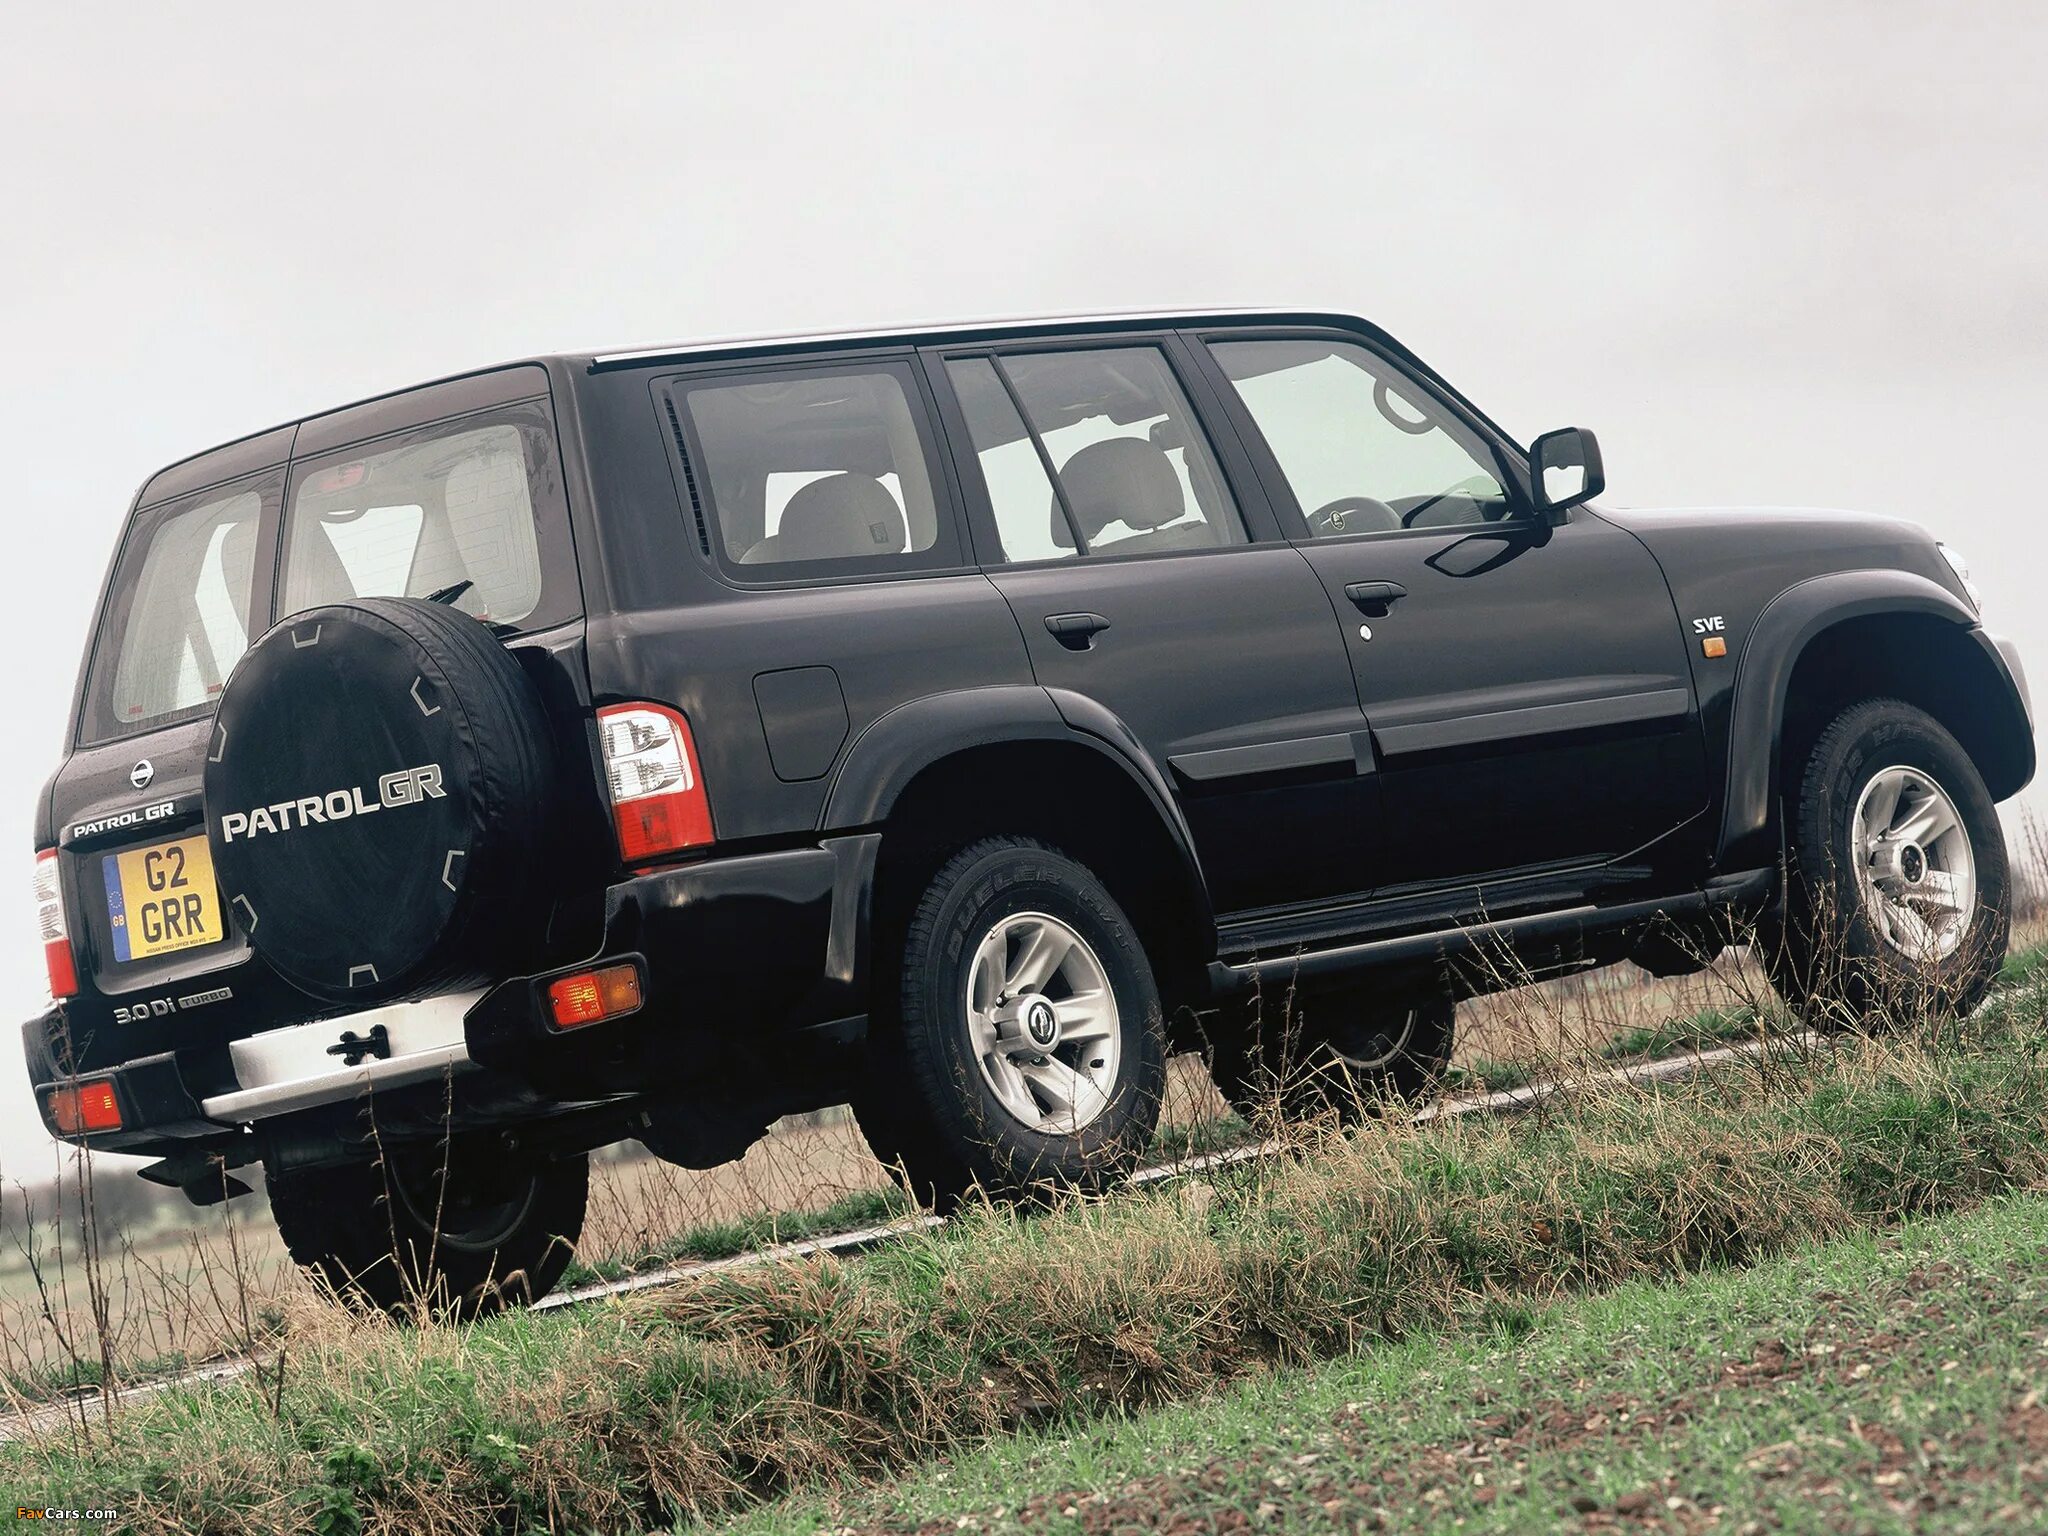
{"x": 85, "y": 1107}
{"x": 1713, "y": 645}
{"x": 589, "y": 996}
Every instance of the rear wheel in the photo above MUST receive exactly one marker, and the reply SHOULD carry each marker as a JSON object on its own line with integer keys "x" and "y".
{"x": 1021, "y": 1046}
{"x": 1342, "y": 1053}
{"x": 456, "y": 1230}
{"x": 1897, "y": 899}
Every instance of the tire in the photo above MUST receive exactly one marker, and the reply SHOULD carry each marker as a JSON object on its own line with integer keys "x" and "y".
{"x": 958, "y": 1098}
{"x": 367, "y": 1232}
{"x": 1340, "y": 1054}
{"x": 377, "y": 794}
{"x": 1885, "y": 916}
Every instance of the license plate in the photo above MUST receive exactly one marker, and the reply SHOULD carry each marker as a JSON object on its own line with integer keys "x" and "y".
{"x": 162, "y": 898}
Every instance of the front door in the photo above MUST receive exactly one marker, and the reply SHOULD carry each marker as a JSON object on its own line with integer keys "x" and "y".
{"x": 1526, "y": 683}
{"x": 1110, "y": 528}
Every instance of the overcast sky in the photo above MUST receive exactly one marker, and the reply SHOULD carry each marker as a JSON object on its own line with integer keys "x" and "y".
{"x": 1785, "y": 253}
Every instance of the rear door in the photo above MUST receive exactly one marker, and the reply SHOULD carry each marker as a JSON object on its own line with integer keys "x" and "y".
{"x": 817, "y": 579}
{"x": 1107, "y": 519}
{"x": 453, "y": 488}
{"x": 146, "y": 919}
{"x": 1526, "y": 683}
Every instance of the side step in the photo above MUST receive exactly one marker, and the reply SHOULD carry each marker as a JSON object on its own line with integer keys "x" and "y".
{"x": 1748, "y": 889}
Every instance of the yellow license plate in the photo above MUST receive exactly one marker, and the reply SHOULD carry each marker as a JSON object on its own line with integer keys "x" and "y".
{"x": 162, "y": 898}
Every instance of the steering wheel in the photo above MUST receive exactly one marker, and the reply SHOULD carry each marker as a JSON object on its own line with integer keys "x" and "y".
{"x": 1352, "y": 514}
{"x": 1473, "y": 487}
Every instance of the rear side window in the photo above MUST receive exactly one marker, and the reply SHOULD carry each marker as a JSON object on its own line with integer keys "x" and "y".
{"x": 1030, "y": 523}
{"x": 815, "y": 471}
{"x": 177, "y": 616}
{"x": 457, "y": 508}
{"x": 1134, "y": 474}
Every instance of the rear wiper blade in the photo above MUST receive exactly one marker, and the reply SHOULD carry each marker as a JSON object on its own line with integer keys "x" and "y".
{"x": 454, "y": 590}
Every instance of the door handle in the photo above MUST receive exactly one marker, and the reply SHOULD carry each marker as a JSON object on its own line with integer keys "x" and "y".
{"x": 1375, "y": 597}
{"x": 1076, "y": 631}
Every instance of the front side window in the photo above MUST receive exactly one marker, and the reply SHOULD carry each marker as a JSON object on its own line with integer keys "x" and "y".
{"x": 1134, "y": 473}
{"x": 814, "y": 471}
{"x": 1363, "y": 450}
{"x": 177, "y": 612}
{"x": 445, "y": 510}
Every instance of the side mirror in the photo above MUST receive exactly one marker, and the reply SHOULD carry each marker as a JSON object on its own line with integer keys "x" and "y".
{"x": 1564, "y": 469}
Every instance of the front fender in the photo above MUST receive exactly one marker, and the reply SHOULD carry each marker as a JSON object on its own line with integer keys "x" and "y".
{"x": 1788, "y": 624}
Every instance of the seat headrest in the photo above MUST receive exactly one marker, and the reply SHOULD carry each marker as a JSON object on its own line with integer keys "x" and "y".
{"x": 840, "y": 517}
{"x": 1120, "y": 479}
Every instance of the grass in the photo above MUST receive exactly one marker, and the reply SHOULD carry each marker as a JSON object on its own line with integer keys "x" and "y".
{"x": 1869, "y": 1383}
{"x": 45, "y": 1381}
{"x": 751, "y": 1385}
{"x": 743, "y": 1234}
{"x": 1703, "y": 1030}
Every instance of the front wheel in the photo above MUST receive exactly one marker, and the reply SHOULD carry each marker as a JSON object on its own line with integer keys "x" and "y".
{"x": 1897, "y": 900}
{"x": 1023, "y": 1048}
{"x": 449, "y": 1229}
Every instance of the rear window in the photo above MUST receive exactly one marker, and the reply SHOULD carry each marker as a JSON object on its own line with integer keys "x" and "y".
{"x": 445, "y": 510}
{"x": 177, "y": 610}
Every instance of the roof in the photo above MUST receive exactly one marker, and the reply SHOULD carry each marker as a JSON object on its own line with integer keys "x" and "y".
{"x": 1104, "y": 319}
{"x": 261, "y": 449}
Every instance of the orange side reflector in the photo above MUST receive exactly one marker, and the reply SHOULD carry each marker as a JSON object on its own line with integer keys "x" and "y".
{"x": 1713, "y": 645}
{"x": 85, "y": 1107}
{"x": 588, "y": 996}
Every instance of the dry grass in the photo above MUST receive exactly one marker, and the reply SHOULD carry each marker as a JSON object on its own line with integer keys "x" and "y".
{"x": 689, "y": 1403}
{"x": 121, "y": 1307}
{"x": 194, "y": 1284}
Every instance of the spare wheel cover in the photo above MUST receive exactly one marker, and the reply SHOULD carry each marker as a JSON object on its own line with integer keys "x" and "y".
{"x": 375, "y": 792}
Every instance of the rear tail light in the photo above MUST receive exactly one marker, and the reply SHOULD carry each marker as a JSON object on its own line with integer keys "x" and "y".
{"x": 83, "y": 1107}
{"x": 588, "y": 996}
{"x": 658, "y": 799}
{"x": 56, "y": 933}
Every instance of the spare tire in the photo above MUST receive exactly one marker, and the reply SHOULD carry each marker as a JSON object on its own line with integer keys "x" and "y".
{"x": 376, "y": 794}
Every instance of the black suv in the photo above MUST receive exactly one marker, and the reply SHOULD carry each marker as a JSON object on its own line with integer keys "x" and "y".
{"x": 954, "y": 721}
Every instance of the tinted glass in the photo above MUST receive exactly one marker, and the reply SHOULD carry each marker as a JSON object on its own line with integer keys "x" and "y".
{"x": 814, "y": 470}
{"x": 177, "y": 612}
{"x": 1029, "y": 524}
{"x": 1135, "y": 475}
{"x": 445, "y": 507}
{"x": 1363, "y": 450}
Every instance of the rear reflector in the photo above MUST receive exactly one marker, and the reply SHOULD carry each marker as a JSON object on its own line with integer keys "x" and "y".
{"x": 85, "y": 1107}
{"x": 658, "y": 800}
{"x": 588, "y": 996}
{"x": 56, "y": 933}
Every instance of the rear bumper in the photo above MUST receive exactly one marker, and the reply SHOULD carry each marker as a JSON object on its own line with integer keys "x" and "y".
{"x": 157, "y": 1107}
{"x": 759, "y": 945}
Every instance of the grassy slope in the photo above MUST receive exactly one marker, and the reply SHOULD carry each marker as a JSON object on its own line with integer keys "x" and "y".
{"x": 1872, "y": 1383}
{"x": 713, "y": 1397}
